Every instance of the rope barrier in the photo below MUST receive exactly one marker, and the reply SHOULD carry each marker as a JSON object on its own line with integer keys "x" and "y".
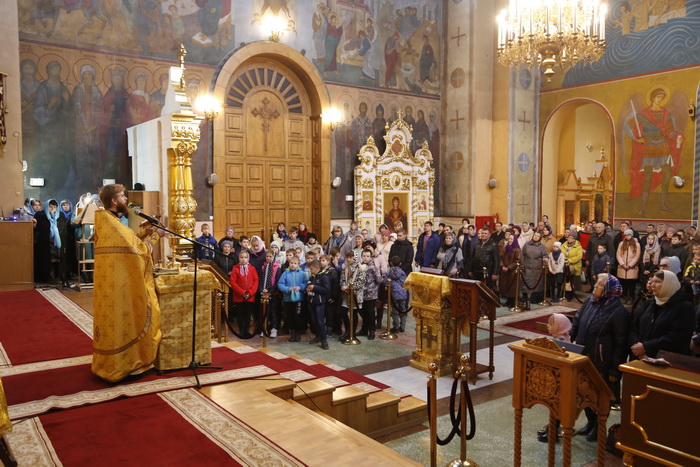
{"x": 456, "y": 415}
{"x": 522, "y": 276}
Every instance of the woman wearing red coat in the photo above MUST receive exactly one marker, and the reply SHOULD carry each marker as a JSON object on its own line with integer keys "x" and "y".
{"x": 244, "y": 282}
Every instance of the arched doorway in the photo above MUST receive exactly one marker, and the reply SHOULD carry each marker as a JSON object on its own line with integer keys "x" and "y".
{"x": 271, "y": 151}
{"x": 578, "y": 164}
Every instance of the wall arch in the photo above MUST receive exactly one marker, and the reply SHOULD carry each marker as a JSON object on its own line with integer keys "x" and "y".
{"x": 565, "y": 133}
{"x": 308, "y": 78}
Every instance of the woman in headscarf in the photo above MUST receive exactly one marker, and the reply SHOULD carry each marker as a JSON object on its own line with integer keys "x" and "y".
{"x": 66, "y": 230}
{"x": 558, "y": 326}
{"x": 257, "y": 253}
{"x": 507, "y": 280}
{"x": 55, "y": 237}
{"x": 650, "y": 260}
{"x": 628, "y": 254}
{"x": 667, "y": 322}
{"x": 601, "y": 326}
{"x": 556, "y": 269}
{"x": 450, "y": 256}
{"x": 337, "y": 239}
{"x": 280, "y": 234}
{"x": 534, "y": 256}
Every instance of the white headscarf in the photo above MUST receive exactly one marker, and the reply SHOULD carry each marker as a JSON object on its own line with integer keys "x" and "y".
{"x": 669, "y": 286}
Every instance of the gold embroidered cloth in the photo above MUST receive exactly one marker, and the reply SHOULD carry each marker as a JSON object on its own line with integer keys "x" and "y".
{"x": 126, "y": 312}
{"x": 5, "y": 424}
{"x": 175, "y": 298}
{"x": 430, "y": 283}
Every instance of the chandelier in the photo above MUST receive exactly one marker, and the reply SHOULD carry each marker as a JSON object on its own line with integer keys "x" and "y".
{"x": 550, "y": 33}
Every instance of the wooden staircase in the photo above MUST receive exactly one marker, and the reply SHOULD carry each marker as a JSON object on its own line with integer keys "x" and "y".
{"x": 373, "y": 414}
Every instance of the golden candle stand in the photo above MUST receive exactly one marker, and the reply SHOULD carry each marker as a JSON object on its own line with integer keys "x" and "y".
{"x": 388, "y": 335}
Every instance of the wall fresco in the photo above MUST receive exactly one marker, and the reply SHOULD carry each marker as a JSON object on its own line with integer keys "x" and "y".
{"x": 644, "y": 36}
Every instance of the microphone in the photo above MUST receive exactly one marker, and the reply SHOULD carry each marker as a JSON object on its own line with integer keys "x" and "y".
{"x": 150, "y": 219}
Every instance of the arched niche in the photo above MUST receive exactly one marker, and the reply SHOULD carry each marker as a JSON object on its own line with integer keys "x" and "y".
{"x": 306, "y": 80}
{"x": 577, "y": 161}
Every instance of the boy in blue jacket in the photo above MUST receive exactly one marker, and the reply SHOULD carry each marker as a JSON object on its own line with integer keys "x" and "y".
{"x": 292, "y": 284}
{"x": 317, "y": 292}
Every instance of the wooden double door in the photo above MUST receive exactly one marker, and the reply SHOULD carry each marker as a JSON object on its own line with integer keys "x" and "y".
{"x": 269, "y": 169}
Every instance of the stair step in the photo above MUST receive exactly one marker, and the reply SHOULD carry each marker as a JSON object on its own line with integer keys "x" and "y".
{"x": 381, "y": 399}
{"x": 345, "y": 394}
{"x": 312, "y": 388}
{"x": 411, "y": 404}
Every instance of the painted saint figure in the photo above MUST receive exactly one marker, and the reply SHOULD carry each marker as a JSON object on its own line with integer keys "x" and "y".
{"x": 391, "y": 59}
{"x": 395, "y": 214}
{"x": 427, "y": 60}
{"x": 656, "y": 149}
{"x": 379, "y": 128}
{"x": 333, "y": 34}
{"x": 87, "y": 105}
{"x": 319, "y": 25}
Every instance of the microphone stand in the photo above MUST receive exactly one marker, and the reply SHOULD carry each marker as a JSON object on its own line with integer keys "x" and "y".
{"x": 194, "y": 365}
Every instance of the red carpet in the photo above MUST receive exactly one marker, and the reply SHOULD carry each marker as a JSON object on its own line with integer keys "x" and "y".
{"x": 177, "y": 428}
{"x": 34, "y": 330}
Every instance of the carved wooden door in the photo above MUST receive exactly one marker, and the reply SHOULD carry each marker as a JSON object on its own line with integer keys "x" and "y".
{"x": 271, "y": 143}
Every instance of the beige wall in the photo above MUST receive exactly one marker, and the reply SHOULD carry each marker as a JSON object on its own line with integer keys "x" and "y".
{"x": 11, "y": 191}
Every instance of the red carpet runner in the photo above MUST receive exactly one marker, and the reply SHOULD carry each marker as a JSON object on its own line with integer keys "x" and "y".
{"x": 180, "y": 427}
{"x": 32, "y": 329}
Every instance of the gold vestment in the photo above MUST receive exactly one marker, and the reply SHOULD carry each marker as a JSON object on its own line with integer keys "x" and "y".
{"x": 5, "y": 424}
{"x": 126, "y": 310}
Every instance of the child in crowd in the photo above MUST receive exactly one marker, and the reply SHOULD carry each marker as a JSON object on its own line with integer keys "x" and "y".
{"x": 244, "y": 282}
{"x": 334, "y": 295}
{"x": 353, "y": 273}
{"x": 600, "y": 262}
{"x": 276, "y": 248}
{"x": 292, "y": 284}
{"x": 650, "y": 261}
{"x": 269, "y": 280}
{"x": 556, "y": 269}
{"x": 357, "y": 249}
{"x": 289, "y": 254}
{"x": 293, "y": 242}
{"x": 371, "y": 291}
{"x": 227, "y": 260}
{"x": 399, "y": 295}
{"x": 317, "y": 292}
{"x": 245, "y": 243}
{"x": 312, "y": 242}
{"x": 692, "y": 278}
{"x": 308, "y": 258}
{"x": 257, "y": 253}
{"x": 207, "y": 239}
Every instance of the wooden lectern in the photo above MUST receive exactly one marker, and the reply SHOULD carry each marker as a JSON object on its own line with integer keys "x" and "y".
{"x": 566, "y": 383}
{"x": 471, "y": 300}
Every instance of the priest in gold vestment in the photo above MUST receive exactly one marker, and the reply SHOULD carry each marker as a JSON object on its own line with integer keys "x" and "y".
{"x": 126, "y": 311}
{"x": 5, "y": 424}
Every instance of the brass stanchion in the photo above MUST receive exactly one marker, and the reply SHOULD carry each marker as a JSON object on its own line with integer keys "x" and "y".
{"x": 486, "y": 282}
{"x": 432, "y": 411}
{"x": 516, "y": 308}
{"x": 388, "y": 335}
{"x": 351, "y": 340}
{"x": 463, "y": 371}
{"x": 607, "y": 267}
{"x": 264, "y": 301}
{"x": 544, "y": 301}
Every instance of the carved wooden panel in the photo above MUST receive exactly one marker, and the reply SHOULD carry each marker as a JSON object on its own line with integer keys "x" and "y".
{"x": 234, "y": 145}
{"x": 266, "y": 124}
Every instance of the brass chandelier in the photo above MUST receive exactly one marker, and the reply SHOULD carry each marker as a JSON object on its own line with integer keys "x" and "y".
{"x": 551, "y": 33}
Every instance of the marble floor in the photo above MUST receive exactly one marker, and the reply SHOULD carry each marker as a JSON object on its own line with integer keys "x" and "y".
{"x": 492, "y": 445}
{"x": 388, "y": 362}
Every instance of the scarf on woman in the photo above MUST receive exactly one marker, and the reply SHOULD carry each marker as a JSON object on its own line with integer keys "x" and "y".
{"x": 65, "y": 214}
{"x": 450, "y": 253}
{"x": 559, "y": 326}
{"x": 669, "y": 287}
{"x": 652, "y": 252}
{"x": 514, "y": 246}
{"x": 53, "y": 220}
{"x": 261, "y": 244}
{"x": 611, "y": 290}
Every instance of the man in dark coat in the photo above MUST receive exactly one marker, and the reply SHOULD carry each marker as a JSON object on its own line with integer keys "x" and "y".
{"x": 428, "y": 246}
{"x": 403, "y": 248}
{"x": 485, "y": 255}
